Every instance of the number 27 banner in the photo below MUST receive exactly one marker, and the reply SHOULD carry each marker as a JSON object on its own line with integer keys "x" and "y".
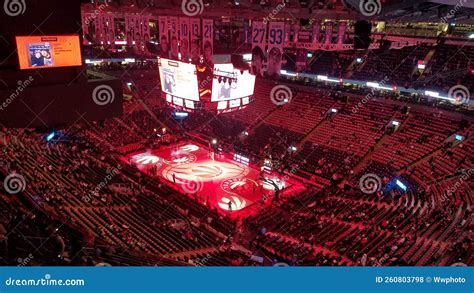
{"x": 259, "y": 32}
{"x": 276, "y": 38}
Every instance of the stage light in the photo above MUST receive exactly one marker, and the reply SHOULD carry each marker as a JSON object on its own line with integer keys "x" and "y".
{"x": 246, "y": 133}
{"x": 395, "y": 123}
{"x": 247, "y": 57}
{"x": 309, "y": 55}
{"x": 293, "y": 148}
{"x": 163, "y": 129}
{"x": 333, "y": 110}
{"x": 432, "y": 94}
{"x": 50, "y": 136}
{"x": 401, "y": 185}
{"x": 471, "y": 36}
{"x": 214, "y": 141}
{"x": 359, "y": 60}
{"x": 180, "y": 114}
{"x": 284, "y": 72}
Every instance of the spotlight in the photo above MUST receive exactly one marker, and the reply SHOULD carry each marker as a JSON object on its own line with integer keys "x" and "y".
{"x": 214, "y": 141}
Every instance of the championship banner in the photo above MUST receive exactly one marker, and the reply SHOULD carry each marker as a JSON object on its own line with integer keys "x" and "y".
{"x": 173, "y": 29}
{"x": 328, "y": 38}
{"x": 316, "y": 32}
{"x": 110, "y": 33}
{"x": 85, "y": 17}
{"x": 259, "y": 31}
{"x": 138, "y": 29}
{"x": 99, "y": 28}
{"x": 208, "y": 40}
{"x": 341, "y": 36}
{"x": 304, "y": 35}
{"x": 184, "y": 34}
{"x": 301, "y": 60}
{"x": 276, "y": 35}
{"x": 130, "y": 28}
{"x": 164, "y": 36}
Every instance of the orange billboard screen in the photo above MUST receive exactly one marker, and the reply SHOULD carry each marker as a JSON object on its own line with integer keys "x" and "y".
{"x": 48, "y": 51}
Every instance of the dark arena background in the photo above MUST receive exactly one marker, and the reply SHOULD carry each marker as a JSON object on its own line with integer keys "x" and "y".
{"x": 236, "y": 133}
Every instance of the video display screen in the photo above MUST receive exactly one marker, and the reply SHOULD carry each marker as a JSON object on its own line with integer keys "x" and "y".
{"x": 231, "y": 84}
{"x": 179, "y": 79}
{"x": 48, "y": 51}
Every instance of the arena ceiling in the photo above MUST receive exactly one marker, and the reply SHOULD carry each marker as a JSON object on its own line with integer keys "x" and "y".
{"x": 459, "y": 11}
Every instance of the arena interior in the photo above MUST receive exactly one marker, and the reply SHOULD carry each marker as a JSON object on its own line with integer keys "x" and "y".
{"x": 236, "y": 133}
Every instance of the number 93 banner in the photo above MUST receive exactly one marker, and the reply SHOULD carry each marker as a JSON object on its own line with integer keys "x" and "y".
{"x": 276, "y": 38}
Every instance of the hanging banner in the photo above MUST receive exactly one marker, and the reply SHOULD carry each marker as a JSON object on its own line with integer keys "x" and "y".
{"x": 287, "y": 33}
{"x": 184, "y": 37}
{"x": 208, "y": 41}
{"x": 99, "y": 28}
{"x": 164, "y": 36}
{"x": 341, "y": 36}
{"x": 328, "y": 38}
{"x": 259, "y": 31}
{"x": 145, "y": 28}
{"x": 276, "y": 33}
{"x": 195, "y": 35}
{"x": 316, "y": 32}
{"x": 85, "y": 17}
{"x": 304, "y": 35}
{"x": 137, "y": 29}
{"x": 110, "y": 29}
{"x": 173, "y": 29}
{"x": 130, "y": 29}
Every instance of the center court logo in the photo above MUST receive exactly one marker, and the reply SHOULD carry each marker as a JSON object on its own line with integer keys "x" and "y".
{"x": 241, "y": 184}
{"x": 14, "y": 7}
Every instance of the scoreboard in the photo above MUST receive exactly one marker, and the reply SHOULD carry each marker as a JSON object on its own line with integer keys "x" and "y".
{"x": 220, "y": 89}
